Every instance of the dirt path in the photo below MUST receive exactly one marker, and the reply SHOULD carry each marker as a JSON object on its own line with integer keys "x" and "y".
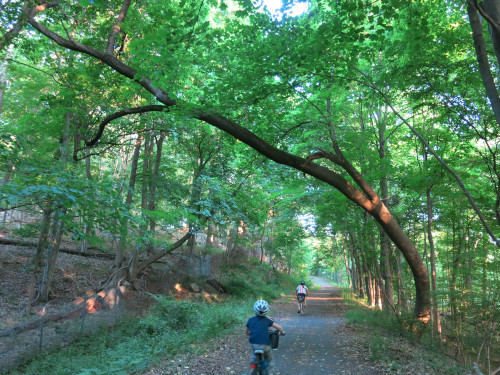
{"x": 318, "y": 343}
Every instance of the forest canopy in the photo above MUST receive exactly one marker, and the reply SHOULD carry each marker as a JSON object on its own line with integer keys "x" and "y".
{"x": 148, "y": 124}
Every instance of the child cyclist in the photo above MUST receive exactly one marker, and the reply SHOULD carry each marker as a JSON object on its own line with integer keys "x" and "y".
{"x": 258, "y": 333}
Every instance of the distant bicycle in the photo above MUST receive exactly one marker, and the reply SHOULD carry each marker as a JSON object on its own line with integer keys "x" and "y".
{"x": 300, "y": 300}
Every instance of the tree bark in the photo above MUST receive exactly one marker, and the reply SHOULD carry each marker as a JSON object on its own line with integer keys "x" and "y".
{"x": 491, "y": 12}
{"x": 482, "y": 59}
{"x": 435, "y": 313}
{"x": 385, "y": 244}
{"x": 154, "y": 179}
{"x": 52, "y": 253}
{"x": 120, "y": 253}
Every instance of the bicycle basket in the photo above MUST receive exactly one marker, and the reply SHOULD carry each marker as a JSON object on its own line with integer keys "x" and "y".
{"x": 274, "y": 338}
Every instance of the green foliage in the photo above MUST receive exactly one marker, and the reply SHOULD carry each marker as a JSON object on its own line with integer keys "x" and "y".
{"x": 253, "y": 281}
{"x": 29, "y": 230}
{"x": 171, "y": 327}
{"x": 392, "y": 343}
{"x": 343, "y": 76}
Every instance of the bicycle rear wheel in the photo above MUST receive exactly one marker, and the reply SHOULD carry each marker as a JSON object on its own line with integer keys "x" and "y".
{"x": 257, "y": 371}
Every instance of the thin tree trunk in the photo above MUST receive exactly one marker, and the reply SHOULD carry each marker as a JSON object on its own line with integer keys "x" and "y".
{"x": 385, "y": 243}
{"x": 122, "y": 244}
{"x": 52, "y": 253}
{"x": 57, "y": 229}
{"x": 154, "y": 179}
{"x": 482, "y": 59}
{"x": 88, "y": 173}
{"x": 346, "y": 264}
{"x": 359, "y": 267}
{"x": 435, "y": 312}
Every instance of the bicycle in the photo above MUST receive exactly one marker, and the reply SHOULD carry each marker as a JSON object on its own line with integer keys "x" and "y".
{"x": 260, "y": 365}
{"x": 301, "y": 299}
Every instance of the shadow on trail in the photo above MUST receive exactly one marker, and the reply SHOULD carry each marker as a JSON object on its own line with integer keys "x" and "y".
{"x": 319, "y": 342}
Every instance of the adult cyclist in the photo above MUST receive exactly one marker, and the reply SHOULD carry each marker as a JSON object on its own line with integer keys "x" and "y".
{"x": 301, "y": 292}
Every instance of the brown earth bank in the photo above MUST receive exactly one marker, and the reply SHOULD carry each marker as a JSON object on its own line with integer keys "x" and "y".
{"x": 320, "y": 342}
{"x": 76, "y": 307}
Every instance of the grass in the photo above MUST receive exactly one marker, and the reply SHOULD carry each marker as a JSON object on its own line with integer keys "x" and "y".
{"x": 395, "y": 348}
{"x": 170, "y": 327}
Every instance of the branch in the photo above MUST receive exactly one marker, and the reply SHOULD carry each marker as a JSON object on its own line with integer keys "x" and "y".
{"x": 105, "y": 57}
{"x": 122, "y": 113}
{"x": 226, "y": 125}
{"x": 157, "y": 255}
{"x": 490, "y": 21}
{"x": 116, "y": 27}
{"x": 16, "y": 28}
{"x": 295, "y": 127}
{"x": 53, "y": 76}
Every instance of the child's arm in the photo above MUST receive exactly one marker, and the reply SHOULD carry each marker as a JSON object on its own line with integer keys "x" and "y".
{"x": 247, "y": 331}
{"x": 278, "y": 327}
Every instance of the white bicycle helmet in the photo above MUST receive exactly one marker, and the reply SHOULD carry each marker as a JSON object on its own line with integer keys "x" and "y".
{"x": 261, "y": 307}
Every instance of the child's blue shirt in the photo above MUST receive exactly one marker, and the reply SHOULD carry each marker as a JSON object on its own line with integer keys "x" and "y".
{"x": 259, "y": 330}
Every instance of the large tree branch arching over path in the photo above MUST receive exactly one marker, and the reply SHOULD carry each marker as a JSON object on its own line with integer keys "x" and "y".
{"x": 371, "y": 202}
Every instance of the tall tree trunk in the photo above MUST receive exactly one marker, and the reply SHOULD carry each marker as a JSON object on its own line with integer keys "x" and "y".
{"x": 262, "y": 236}
{"x": 358, "y": 264}
{"x": 86, "y": 225}
{"x": 57, "y": 229}
{"x": 145, "y": 245}
{"x": 455, "y": 265}
{"x": 146, "y": 169}
{"x": 122, "y": 244}
{"x": 402, "y": 297}
{"x": 482, "y": 59}
{"x": 37, "y": 260}
{"x": 385, "y": 243}
{"x": 492, "y": 11}
{"x": 52, "y": 252}
{"x": 435, "y": 312}
{"x": 154, "y": 179}
{"x": 346, "y": 264}
{"x": 3, "y": 78}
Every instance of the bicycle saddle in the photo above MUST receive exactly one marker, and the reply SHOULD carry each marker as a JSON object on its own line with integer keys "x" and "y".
{"x": 258, "y": 351}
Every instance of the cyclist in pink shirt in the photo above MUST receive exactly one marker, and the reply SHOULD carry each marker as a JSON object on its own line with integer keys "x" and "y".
{"x": 301, "y": 292}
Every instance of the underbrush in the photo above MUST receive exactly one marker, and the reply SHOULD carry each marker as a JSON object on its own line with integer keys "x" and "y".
{"x": 393, "y": 345}
{"x": 170, "y": 327}
{"x": 255, "y": 280}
